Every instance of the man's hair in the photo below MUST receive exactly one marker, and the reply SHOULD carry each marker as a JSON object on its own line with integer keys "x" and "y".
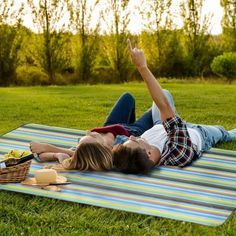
{"x": 90, "y": 156}
{"x": 131, "y": 161}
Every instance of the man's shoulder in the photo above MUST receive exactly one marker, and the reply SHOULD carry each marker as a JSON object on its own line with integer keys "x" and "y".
{"x": 174, "y": 123}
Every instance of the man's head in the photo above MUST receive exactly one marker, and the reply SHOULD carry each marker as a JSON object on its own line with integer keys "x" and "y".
{"x": 135, "y": 156}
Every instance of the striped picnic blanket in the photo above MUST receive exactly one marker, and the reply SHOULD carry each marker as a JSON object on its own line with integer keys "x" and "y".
{"x": 203, "y": 193}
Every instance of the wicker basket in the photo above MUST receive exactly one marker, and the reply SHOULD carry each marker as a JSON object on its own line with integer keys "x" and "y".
{"x": 15, "y": 173}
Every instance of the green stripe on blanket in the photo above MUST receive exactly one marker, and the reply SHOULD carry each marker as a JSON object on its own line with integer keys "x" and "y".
{"x": 203, "y": 193}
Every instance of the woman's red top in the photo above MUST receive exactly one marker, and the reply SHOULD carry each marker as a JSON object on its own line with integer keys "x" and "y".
{"x": 114, "y": 129}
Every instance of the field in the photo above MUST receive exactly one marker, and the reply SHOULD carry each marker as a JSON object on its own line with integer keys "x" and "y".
{"x": 84, "y": 107}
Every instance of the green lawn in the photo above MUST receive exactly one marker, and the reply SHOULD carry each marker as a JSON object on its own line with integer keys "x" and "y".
{"x": 84, "y": 107}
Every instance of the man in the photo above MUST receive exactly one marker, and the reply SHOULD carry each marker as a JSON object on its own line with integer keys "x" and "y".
{"x": 171, "y": 141}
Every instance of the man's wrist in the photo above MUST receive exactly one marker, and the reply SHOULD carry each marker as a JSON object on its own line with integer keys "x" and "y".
{"x": 142, "y": 68}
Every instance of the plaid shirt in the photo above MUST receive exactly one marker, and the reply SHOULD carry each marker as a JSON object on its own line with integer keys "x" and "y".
{"x": 179, "y": 149}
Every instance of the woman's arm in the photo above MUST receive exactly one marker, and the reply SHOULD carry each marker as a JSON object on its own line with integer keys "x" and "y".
{"x": 45, "y": 147}
{"x": 153, "y": 85}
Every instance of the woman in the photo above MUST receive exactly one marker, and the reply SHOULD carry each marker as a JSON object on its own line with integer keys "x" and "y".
{"x": 170, "y": 141}
{"x": 94, "y": 149}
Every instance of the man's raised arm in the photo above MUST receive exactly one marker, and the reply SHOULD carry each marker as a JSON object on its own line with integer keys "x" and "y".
{"x": 153, "y": 85}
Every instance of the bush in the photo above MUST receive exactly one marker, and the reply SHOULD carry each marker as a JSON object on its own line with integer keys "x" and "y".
{"x": 225, "y": 65}
{"x": 61, "y": 80}
{"x": 31, "y": 75}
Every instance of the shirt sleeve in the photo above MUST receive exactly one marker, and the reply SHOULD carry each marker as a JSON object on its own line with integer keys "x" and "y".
{"x": 178, "y": 150}
{"x": 114, "y": 129}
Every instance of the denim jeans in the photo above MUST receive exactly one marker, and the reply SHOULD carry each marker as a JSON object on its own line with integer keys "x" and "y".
{"x": 123, "y": 113}
{"x": 156, "y": 115}
{"x": 210, "y": 134}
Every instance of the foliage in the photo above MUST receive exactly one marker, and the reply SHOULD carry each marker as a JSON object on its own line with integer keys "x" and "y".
{"x": 27, "y": 50}
{"x": 213, "y": 49}
{"x": 86, "y": 46}
{"x": 10, "y": 40}
{"x": 195, "y": 36}
{"x": 225, "y": 65}
{"x": 115, "y": 59}
{"x": 50, "y": 45}
{"x": 172, "y": 62}
{"x": 114, "y": 62}
{"x": 159, "y": 24}
{"x": 229, "y": 24}
{"x": 31, "y": 75}
{"x": 77, "y": 51}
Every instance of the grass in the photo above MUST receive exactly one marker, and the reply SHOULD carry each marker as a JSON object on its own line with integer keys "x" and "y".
{"x": 84, "y": 107}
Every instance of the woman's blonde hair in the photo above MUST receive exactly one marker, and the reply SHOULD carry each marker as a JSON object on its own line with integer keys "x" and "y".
{"x": 90, "y": 156}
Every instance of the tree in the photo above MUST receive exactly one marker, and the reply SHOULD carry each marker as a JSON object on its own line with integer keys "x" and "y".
{"x": 51, "y": 52}
{"x": 116, "y": 60}
{"x": 81, "y": 12}
{"x": 158, "y": 24}
{"x": 10, "y": 40}
{"x": 229, "y": 24}
{"x": 196, "y": 36}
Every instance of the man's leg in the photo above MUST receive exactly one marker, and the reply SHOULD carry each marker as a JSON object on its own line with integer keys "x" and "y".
{"x": 212, "y": 134}
{"x": 232, "y": 133}
{"x": 123, "y": 111}
{"x": 156, "y": 115}
{"x": 149, "y": 118}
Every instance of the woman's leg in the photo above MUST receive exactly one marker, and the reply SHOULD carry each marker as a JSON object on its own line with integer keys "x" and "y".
{"x": 141, "y": 125}
{"x": 123, "y": 111}
{"x": 156, "y": 115}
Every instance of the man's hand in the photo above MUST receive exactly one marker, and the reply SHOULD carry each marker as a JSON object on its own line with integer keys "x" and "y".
{"x": 137, "y": 56}
{"x": 152, "y": 84}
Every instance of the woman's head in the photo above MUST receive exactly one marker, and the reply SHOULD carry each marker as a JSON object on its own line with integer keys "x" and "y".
{"x": 92, "y": 137}
{"x": 90, "y": 156}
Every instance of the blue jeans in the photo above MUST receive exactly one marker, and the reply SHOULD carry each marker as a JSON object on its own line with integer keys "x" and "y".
{"x": 123, "y": 113}
{"x": 156, "y": 115}
{"x": 210, "y": 134}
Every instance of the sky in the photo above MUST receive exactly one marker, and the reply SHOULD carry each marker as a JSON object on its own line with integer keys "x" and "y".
{"x": 211, "y": 7}
{"x": 136, "y": 25}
